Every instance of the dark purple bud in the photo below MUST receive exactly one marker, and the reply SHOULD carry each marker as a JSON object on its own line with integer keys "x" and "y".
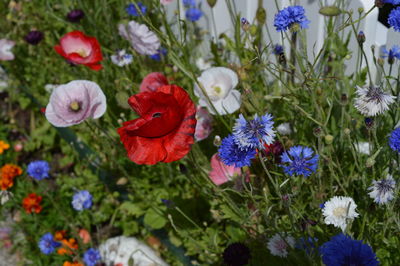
{"x": 34, "y": 37}
{"x": 168, "y": 203}
{"x": 369, "y": 123}
{"x": 75, "y": 15}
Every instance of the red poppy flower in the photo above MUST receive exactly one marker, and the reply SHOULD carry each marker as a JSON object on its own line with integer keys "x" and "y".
{"x": 78, "y": 48}
{"x": 152, "y": 81}
{"x": 165, "y": 130}
{"x": 32, "y": 203}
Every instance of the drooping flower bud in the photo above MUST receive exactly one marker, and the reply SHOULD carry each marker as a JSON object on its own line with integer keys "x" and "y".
{"x": 361, "y": 37}
{"x": 330, "y": 11}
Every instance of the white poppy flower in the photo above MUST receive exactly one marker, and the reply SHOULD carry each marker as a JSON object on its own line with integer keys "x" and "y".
{"x": 219, "y": 85}
{"x": 74, "y": 102}
{"x": 339, "y": 211}
{"x": 143, "y": 40}
{"x": 121, "y": 249}
{"x": 5, "y": 50}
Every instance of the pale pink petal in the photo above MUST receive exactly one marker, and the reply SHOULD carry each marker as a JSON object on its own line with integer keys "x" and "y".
{"x": 220, "y": 172}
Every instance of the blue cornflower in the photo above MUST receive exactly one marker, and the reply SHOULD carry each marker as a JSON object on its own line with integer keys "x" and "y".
{"x": 193, "y": 14}
{"x": 393, "y": 2}
{"x": 231, "y": 154}
{"x": 132, "y": 10}
{"x": 309, "y": 245}
{"x": 38, "y": 169}
{"x": 161, "y": 53}
{"x": 299, "y": 161}
{"x": 342, "y": 250}
{"x": 391, "y": 54}
{"x": 394, "y": 140}
{"x": 47, "y": 244}
{"x": 394, "y": 19}
{"x": 254, "y": 133}
{"x": 278, "y": 49}
{"x": 91, "y": 257}
{"x": 82, "y": 200}
{"x": 189, "y": 3}
{"x": 285, "y": 18}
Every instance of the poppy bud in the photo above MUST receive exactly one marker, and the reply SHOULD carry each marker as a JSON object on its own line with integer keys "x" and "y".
{"x": 261, "y": 15}
{"x": 329, "y": 139}
{"x": 330, "y": 11}
{"x": 211, "y": 3}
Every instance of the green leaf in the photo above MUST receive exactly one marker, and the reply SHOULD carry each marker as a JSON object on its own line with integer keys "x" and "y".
{"x": 154, "y": 220}
{"x": 132, "y": 208}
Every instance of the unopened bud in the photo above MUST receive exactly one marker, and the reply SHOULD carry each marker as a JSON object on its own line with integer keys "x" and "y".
{"x": 344, "y": 99}
{"x": 347, "y": 131}
{"x": 360, "y": 10}
{"x": 329, "y": 139}
{"x": 361, "y": 37}
{"x": 211, "y": 3}
{"x": 330, "y": 11}
{"x": 245, "y": 24}
{"x": 261, "y": 15}
{"x": 381, "y": 61}
{"x": 317, "y": 132}
{"x": 370, "y": 162}
{"x": 122, "y": 181}
{"x": 369, "y": 123}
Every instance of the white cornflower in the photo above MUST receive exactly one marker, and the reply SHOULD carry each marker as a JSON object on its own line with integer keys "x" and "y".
{"x": 284, "y": 129}
{"x": 339, "y": 211}
{"x": 278, "y": 246}
{"x": 143, "y": 40}
{"x": 121, "y": 58}
{"x": 372, "y": 100}
{"x": 219, "y": 86}
{"x": 382, "y": 190}
{"x": 5, "y": 50}
{"x": 363, "y": 148}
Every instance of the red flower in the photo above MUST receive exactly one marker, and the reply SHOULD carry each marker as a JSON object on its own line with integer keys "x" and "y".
{"x": 152, "y": 81}
{"x": 165, "y": 130}
{"x": 78, "y": 48}
{"x": 32, "y": 203}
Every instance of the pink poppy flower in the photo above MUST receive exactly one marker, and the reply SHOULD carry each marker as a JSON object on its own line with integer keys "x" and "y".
{"x": 153, "y": 81}
{"x": 166, "y": 2}
{"x": 74, "y": 102}
{"x": 5, "y": 50}
{"x": 220, "y": 172}
{"x": 204, "y": 123}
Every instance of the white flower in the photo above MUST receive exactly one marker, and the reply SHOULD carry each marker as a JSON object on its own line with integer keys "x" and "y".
{"x": 5, "y": 196}
{"x": 5, "y": 50}
{"x": 121, "y": 249}
{"x": 218, "y": 84}
{"x": 278, "y": 246}
{"x": 202, "y": 64}
{"x": 362, "y": 147}
{"x": 50, "y": 87}
{"x": 339, "y": 211}
{"x": 74, "y": 102}
{"x": 284, "y": 129}
{"x": 121, "y": 58}
{"x": 382, "y": 190}
{"x": 143, "y": 40}
{"x": 372, "y": 100}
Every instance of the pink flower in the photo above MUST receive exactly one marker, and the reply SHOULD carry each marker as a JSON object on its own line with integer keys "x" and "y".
{"x": 166, "y": 2}
{"x": 220, "y": 172}
{"x": 153, "y": 81}
{"x": 204, "y": 123}
{"x": 5, "y": 50}
{"x": 74, "y": 102}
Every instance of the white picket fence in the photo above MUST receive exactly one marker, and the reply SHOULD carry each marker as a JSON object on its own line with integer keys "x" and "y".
{"x": 376, "y": 33}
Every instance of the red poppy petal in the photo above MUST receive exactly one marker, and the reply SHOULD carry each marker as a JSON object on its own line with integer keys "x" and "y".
{"x": 95, "y": 67}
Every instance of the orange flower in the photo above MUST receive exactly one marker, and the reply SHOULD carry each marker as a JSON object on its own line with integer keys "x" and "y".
{"x": 84, "y": 235}
{"x": 3, "y": 146}
{"x": 7, "y": 174}
{"x": 68, "y": 246}
{"x": 60, "y": 235}
{"x": 67, "y": 263}
{"x": 32, "y": 203}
